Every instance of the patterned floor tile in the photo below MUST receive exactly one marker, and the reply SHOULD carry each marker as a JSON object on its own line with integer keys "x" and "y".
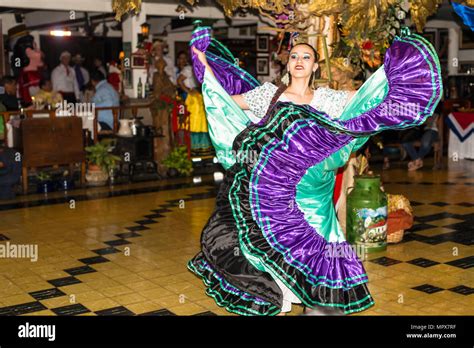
{"x": 161, "y": 312}
{"x": 48, "y": 293}
{"x": 205, "y": 314}
{"x": 137, "y": 228}
{"x": 118, "y": 242}
{"x": 421, "y": 262}
{"x": 427, "y": 288}
{"x": 64, "y": 281}
{"x": 106, "y": 251}
{"x": 464, "y": 263}
{"x": 128, "y": 235}
{"x": 150, "y": 280}
{"x": 439, "y": 204}
{"x": 70, "y": 310}
{"x": 94, "y": 260}
{"x": 80, "y": 270}
{"x": 385, "y": 261}
{"x": 146, "y": 222}
{"x": 115, "y": 311}
{"x": 462, "y": 289}
{"x": 23, "y": 308}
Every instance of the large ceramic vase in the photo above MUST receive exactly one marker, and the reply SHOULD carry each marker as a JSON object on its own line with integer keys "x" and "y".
{"x": 95, "y": 176}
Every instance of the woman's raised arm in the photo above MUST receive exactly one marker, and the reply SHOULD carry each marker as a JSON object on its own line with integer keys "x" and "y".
{"x": 238, "y": 98}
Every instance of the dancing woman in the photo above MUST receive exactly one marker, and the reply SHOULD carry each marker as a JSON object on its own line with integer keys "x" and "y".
{"x": 274, "y": 239}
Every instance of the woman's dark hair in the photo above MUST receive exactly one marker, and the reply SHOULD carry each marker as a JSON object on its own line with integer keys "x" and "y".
{"x": 7, "y": 79}
{"x": 97, "y": 75}
{"x": 43, "y": 82}
{"x": 180, "y": 53}
{"x": 317, "y": 73}
{"x": 19, "y": 52}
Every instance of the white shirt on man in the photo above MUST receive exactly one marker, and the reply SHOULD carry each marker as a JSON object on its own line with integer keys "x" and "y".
{"x": 64, "y": 80}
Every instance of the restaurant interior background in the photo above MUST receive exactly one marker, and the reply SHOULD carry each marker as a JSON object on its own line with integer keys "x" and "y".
{"x": 86, "y": 203}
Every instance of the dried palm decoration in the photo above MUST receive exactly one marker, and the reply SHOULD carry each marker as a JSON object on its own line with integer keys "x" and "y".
{"x": 357, "y": 13}
{"x": 122, "y": 7}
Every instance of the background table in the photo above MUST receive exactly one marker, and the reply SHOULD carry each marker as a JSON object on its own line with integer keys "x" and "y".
{"x": 461, "y": 135}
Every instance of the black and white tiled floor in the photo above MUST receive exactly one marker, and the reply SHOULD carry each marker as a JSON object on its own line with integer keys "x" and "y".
{"x": 124, "y": 251}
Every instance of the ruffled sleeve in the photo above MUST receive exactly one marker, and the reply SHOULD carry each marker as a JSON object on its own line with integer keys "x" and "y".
{"x": 402, "y": 93}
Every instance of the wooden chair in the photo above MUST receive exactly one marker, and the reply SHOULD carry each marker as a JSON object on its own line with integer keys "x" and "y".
{"x": 438, "y": 144}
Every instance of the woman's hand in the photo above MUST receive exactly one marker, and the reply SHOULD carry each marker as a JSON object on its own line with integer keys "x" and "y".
{"x": 201, "y": 56}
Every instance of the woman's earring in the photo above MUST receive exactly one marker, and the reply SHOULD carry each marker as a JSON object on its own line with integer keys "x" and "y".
{"x": 286, "y": 79}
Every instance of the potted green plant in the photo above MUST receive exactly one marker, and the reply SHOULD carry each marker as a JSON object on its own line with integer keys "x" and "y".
{"x": 178, "y": 162}
{"x": 100, "y": 162}
{"x": 44, "y": 184}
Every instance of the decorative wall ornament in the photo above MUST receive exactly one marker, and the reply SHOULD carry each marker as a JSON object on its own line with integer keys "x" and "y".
{"x": 421, "y": 9}
{"x": 122, "y": 7}
{"x": 359, "y": 30}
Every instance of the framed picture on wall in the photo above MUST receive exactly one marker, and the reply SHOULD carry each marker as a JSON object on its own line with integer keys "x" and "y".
{"x": 263, "y": 66}
{"x": 263, "y": 43}
{"x": 138, "y": 61}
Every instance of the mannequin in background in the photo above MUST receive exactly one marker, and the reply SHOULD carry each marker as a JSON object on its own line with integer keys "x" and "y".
{"x": 158, "y": 53}
{"x": 26, "y": 63}
{"x": 164, "y": 92}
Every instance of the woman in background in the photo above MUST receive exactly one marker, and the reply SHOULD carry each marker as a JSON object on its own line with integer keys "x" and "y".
{"x": 188, "y": 89}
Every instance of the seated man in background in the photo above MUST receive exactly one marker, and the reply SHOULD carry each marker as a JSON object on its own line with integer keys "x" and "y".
{"x": 10, "y": 173}
{"x": 430, "y": 135}
{"x": 105, "y": 96}
{"x": 9, "y": 97}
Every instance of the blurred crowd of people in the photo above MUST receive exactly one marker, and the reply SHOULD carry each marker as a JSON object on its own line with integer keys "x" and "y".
{"x": 69, "y": 81}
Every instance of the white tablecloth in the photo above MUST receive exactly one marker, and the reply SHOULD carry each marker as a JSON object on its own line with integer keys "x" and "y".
{"x": 458, "y": 149}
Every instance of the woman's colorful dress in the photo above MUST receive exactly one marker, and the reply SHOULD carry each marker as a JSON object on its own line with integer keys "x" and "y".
{"x": 200, "y": 142}
{"x": 274, "y": 226}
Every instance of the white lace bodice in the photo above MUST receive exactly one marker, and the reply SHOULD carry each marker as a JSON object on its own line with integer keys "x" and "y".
{"x": 325, "y": 99}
